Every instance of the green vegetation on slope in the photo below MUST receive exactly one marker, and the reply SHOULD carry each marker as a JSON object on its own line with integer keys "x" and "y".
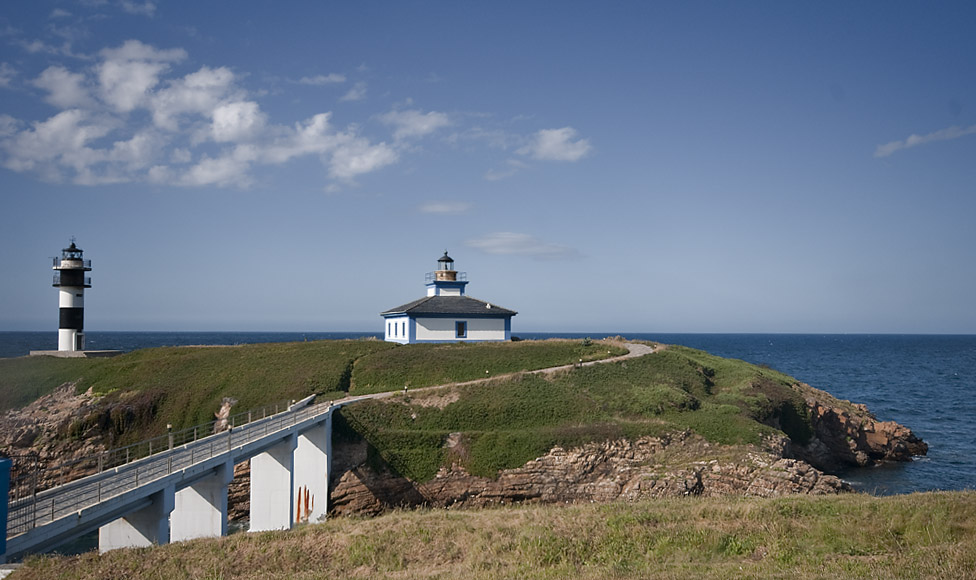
{"x": 25, "y": 379}
{"x": 503, "y": 423}
{"x": 510, "y": 421}
{"x": 184, "y": 386}
{"x": 423, "y": 365}
{"x": 931, "y": 535}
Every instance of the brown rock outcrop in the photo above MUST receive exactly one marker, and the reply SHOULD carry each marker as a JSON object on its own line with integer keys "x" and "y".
{"x": 39, "y": 430}
{"x": 596, "y": 472}
{"x": 847, "y": 434}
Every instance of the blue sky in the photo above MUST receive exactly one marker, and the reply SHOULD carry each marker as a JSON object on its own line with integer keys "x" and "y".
{"x": 598, "y": 167}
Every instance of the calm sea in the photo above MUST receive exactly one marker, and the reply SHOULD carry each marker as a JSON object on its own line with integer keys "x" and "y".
{"x": 926, "y": 382}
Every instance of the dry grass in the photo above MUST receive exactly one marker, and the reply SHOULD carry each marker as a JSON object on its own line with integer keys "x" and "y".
{"x": 929, "y": 535}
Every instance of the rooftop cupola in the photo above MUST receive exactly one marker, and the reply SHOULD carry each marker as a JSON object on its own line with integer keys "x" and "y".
{"x": 445, "y": 280}
{"x": 445, "y": 268}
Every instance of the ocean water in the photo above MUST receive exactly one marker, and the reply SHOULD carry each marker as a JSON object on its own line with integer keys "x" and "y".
{"x": 926, "y": 382}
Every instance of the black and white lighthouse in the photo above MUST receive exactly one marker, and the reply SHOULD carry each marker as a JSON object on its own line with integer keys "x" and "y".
{"x": 70, "y": 279}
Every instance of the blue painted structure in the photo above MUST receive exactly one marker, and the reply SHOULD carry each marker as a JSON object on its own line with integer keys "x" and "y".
{"x": 447, "y": 314}
{"x": 5, "y": 486}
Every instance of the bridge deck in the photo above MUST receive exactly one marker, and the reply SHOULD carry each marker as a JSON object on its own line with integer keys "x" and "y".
{"x": 88, "y": 503}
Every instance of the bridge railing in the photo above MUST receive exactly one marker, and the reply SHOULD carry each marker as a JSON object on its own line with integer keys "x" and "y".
{"x": 43, "y": 494}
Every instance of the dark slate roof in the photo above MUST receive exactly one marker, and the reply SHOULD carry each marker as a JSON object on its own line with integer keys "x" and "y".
{"x": 449, "y": 305}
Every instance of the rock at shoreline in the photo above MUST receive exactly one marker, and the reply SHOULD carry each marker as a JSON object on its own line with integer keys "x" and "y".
{"x": 843, "y": 435}
{"x": 848, "y": 435}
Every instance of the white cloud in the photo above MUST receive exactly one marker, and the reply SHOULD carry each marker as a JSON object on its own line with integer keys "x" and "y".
{"x": 230, "y": 169}
{"x": 946, "y": 134}
{"x": 494, "y": 138}
{"x": 141, "y": 8}
{"x": 314, "y": 136}
{"x": 65, "y": 88}
{"x": 414, "y": 123}
{"x": 358, "y": 156}
{"x": 61, "y": 140}
{"x": 137, "y": 152}
{"x": 445, "y": 207}
{"x": 128, "y": 73}
{"x": 7, "y": 74}
{"x": 133, "y": 50}
{"x": 556, "y": 145}
{"x": 511, "y": 243}
{"x": 126, "y": 118}
{"x": 237, "y": 121}
{"x": 37, "y": 46}
{"x": 512, "y": 166}
{"x": 318, "y": 80}
{"x": 197, "y": 93}
{"x": 356, "y": 93}
{"x": 348, "y": 155}
{"x": 8, "y": 125}
{"x": 60, "y": 13}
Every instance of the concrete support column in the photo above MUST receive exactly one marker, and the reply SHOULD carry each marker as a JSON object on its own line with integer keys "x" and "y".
{"x": 201, "y": 509}
{"x": 272, "y": 487}
{"x": 145, "y": 527}
{"x": 312, "y": 472}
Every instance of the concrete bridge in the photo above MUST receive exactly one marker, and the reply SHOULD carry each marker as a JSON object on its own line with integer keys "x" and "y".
{"x": 181, "y": 492}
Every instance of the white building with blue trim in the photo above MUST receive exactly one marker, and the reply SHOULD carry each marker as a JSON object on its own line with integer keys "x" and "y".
{"x": 446, "y": 314}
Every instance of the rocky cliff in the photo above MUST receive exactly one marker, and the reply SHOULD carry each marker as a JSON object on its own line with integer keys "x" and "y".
{"x": 40, "y": 434}
{"x": 847, "y": 435}
{"x": 680, "y": 464}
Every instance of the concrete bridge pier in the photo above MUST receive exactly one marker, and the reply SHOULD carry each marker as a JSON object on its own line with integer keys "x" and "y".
{"x": 142, "y": 528}
{"x": 201, "y": 508}
{"x": 272, "y": 487}
{"x": 312, "y": 463}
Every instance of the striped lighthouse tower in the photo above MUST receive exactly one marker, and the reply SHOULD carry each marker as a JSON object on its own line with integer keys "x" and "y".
{"x": 70, "y": 279}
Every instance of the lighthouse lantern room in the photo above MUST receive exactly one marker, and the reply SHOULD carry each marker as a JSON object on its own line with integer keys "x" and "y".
{"x": 71, "y": 282}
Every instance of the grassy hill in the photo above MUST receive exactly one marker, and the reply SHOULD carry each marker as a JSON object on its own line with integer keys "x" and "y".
{"x": 931, "y": 535}
{"x": 516, "y": 419}
{"x": 184, "y": 386}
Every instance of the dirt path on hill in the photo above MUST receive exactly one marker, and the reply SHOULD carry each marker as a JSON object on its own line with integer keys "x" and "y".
{"x": 634, "y": 350}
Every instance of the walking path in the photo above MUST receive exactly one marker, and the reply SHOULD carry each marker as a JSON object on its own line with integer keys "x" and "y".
{"x": 634, "y": 349}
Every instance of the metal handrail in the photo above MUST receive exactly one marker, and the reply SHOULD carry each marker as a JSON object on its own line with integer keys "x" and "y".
{"x": 432, "y": 277}
{"x": 43, "y": 506}
{"x": 56, "y": 280}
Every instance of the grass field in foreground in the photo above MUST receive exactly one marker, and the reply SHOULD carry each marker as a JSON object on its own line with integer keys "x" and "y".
{"x": 931, "y": 535}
